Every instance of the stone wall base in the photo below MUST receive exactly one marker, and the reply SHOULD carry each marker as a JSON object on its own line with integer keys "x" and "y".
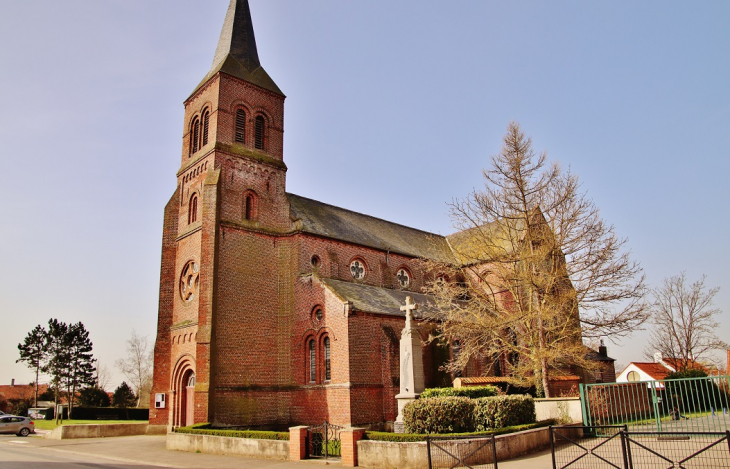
{"x": 208, "y": 444}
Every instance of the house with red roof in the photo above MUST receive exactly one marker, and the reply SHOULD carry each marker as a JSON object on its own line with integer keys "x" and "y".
{"x": 656, "y": 370}
{"x": 12, "y": 394}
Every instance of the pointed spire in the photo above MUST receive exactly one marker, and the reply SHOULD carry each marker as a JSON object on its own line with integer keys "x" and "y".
{"x": 236, "y": 54}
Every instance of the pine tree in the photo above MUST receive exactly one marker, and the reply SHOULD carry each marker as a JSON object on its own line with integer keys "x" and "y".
{"x": 81, "y": 369}
{"x": 57, "y": 358}
{"x": 33, "y": 353}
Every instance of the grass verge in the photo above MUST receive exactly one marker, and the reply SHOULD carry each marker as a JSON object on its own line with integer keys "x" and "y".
{"x": 204, "y": 429}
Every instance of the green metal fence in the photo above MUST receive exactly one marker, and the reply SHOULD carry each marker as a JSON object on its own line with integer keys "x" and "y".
{"x": 692, "y": 404}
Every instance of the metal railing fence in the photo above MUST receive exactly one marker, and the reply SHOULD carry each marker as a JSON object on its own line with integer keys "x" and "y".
{"x": 691, "y": 404}
{"x": 472, "y": 452}
{"x": 616, "y": 447}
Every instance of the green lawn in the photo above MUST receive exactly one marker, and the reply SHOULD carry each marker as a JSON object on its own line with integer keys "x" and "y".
{"x": 51, "y": 424}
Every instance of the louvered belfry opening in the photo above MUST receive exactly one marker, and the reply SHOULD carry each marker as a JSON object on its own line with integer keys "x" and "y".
{"x": 241, "y": 126}
{"x": 260, "y": 130}
{"x": 206, "y": 127}
{"x": 195, "y": 136}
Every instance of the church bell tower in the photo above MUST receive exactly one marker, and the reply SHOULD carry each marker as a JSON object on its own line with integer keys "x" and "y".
{"x": 231, "y": 184}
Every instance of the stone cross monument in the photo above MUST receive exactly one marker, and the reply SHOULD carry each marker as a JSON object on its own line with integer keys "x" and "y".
{"x": 411, "y": 364}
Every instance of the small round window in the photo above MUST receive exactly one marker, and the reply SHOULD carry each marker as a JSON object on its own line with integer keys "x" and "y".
{"x": 357, "y": 269}
{"x": 316, "y": 261}
{"x": 404, "y": 278}
{"x": 318, "y": 314}
{"x": 633, "y": 376}
{"x": 189, "y": 280}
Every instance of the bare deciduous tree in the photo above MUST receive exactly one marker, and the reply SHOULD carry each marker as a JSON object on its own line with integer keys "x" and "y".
{"x": 103, "y": 377}
{"x": 538, "y": 270}
{"x": 683, "y": 320}
{"x": 137, "y": 367}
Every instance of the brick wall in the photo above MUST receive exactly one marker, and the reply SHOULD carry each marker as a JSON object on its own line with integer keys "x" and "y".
{"x": 162, "y": 353}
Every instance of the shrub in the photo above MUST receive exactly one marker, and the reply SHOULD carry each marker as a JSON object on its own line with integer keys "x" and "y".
{"x": 205, "y": 429}
{"x": 439, "y": 415}
{"x": 94, "y": 397}
{"x": 473, "y": 392}
{"x": 109, "y": 413}
{"x": 503, "y": 411}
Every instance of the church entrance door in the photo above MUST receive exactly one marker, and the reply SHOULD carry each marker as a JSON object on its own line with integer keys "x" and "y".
{"x": 189, "y": 405}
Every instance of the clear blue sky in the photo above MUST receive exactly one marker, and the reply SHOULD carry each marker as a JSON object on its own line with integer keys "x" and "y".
{"x": 393, "y": 109}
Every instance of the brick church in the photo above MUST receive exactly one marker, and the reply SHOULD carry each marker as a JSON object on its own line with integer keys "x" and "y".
{"x": 275, "y": 309}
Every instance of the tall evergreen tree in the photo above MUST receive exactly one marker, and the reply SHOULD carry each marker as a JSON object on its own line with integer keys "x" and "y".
{"x": 80, "y": 372}
{"x": 57, "y": 359}
{"x": 33, "y": 353}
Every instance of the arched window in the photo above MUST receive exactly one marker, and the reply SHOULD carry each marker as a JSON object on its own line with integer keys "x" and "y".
{"x": 260, "y": 132}
{"x": 249, "y": 207}
{"x": 327, "y": 362}
{"x": 194, "y": 135}
{"x": 312, "y": 362}
{"x": 241, "y": 126}
{"x": 193, "y": 210}
{"x": 206, "y": 126}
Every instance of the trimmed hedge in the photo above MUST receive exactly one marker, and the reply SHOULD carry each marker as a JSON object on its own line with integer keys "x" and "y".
{"x": 109, "y": 413}
{"x": 205, "y": 429}
{"x": 439, "y": 415}
{"x": 461, "y": 414}
{"x": 411, "y": 437}
{"x": 473, "y": 392}
{"x": 503, "y": 411}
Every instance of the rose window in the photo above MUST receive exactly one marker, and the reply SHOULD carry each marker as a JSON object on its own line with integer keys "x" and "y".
{"x": 357, "y": 269}
{"x": 189, "y": 281}
{"x": 404, "y": 278}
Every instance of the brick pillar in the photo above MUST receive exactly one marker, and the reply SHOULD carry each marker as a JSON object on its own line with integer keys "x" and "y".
{"x": 298, "y": 443}
{"x": 349, "y": 438}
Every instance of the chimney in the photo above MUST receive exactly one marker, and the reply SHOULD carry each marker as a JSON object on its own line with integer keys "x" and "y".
{"x": 658, "y": 357}
{"x": 12, "y": 382}
{"x": 603, "y": 351}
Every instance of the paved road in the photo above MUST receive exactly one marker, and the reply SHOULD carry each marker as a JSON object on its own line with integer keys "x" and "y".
{"x": 125, "y": 452}
{"x": 147, "y": 452}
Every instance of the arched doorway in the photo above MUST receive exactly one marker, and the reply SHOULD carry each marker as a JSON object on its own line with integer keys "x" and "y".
{"x": 187, "y": 394}
{"x": 184, "y": 393}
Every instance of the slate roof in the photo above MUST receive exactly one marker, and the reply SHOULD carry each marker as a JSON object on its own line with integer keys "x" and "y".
{"x": 237, "y": 54}
{"x": 338, "y": 223}
{"x": 370, "y": 299}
